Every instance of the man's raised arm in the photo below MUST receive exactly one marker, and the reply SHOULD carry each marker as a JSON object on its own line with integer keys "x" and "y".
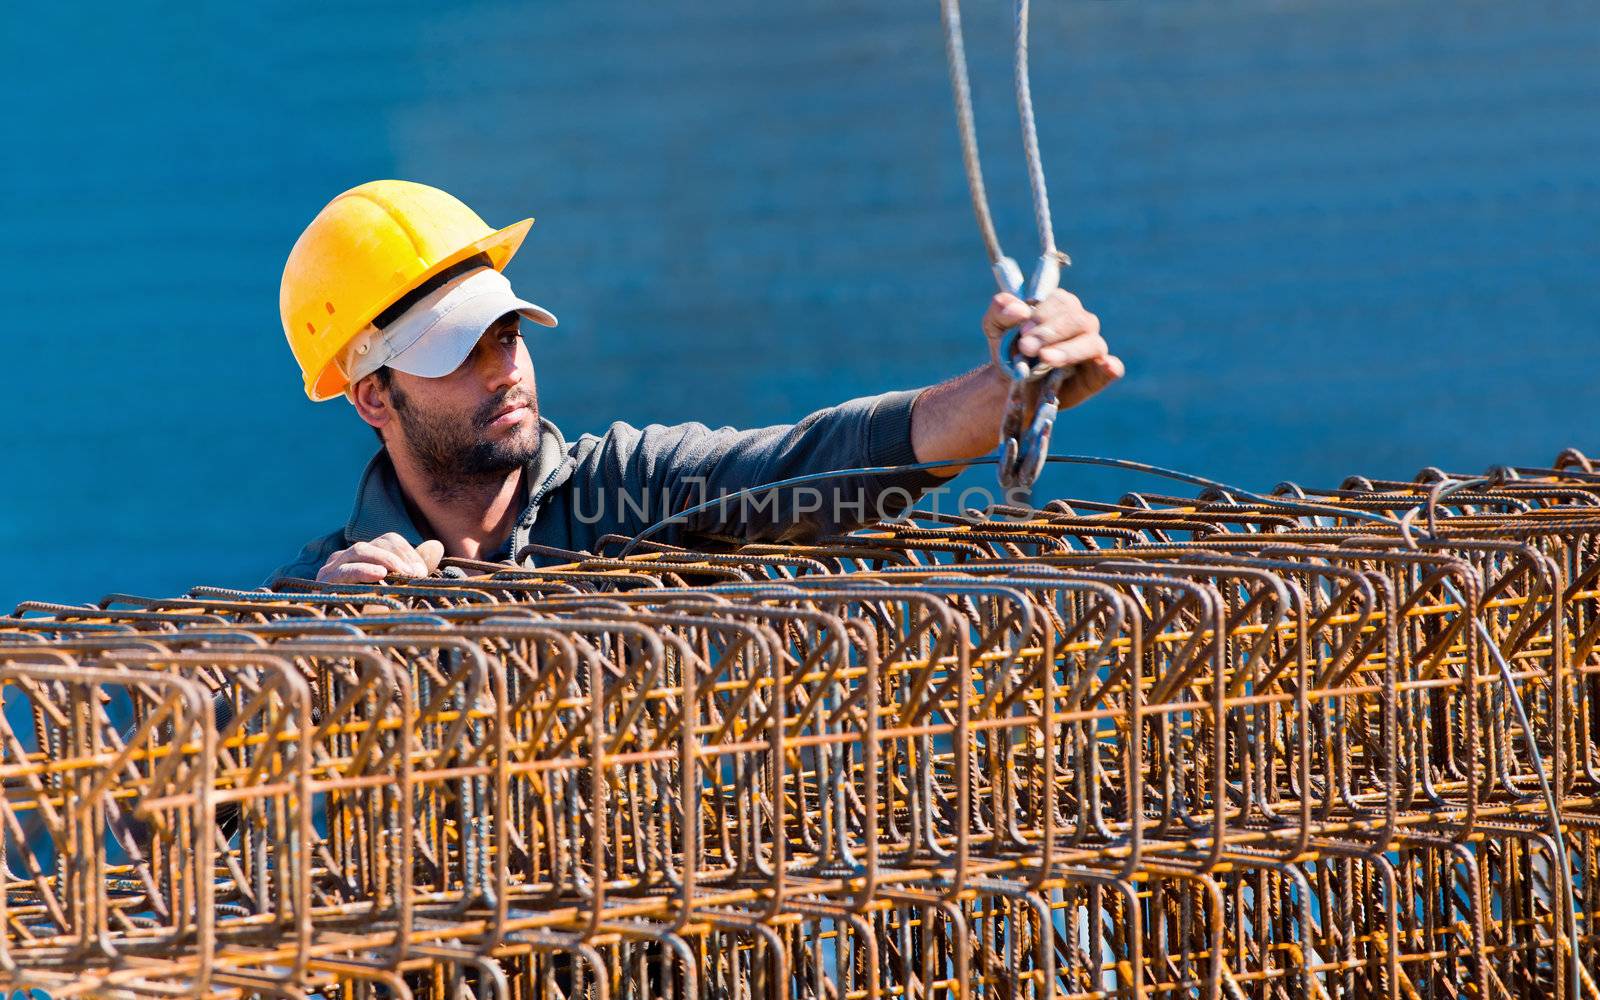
{"x": 638, "y": 476}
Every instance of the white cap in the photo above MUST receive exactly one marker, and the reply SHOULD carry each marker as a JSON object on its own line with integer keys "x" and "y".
{"x": 435, "y": 335}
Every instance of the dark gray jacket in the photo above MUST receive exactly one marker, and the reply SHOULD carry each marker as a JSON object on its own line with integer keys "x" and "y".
{"x": 628, "y": 478}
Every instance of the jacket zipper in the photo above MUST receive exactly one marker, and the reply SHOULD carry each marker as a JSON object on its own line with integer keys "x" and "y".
{"x": 524, "y": 528}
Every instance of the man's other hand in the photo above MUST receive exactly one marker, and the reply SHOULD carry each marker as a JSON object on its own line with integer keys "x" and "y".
{"x": 386, "y": 555}
{"x": 1060, "y": 332}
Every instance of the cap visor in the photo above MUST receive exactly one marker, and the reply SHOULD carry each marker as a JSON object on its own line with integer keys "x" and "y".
{"x": 451, "y": 333}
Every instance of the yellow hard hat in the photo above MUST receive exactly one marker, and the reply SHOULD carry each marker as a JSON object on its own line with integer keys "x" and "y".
{"x": 366, "y": 250}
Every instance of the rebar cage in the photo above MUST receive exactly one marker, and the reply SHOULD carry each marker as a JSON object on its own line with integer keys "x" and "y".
{"x": 1166, "y": 747}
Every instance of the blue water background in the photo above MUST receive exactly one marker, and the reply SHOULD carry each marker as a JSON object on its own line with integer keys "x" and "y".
{"x": 1327, "y": 237}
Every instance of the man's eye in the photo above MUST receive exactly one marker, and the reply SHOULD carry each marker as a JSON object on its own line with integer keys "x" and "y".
{"x": 507, "y": 339}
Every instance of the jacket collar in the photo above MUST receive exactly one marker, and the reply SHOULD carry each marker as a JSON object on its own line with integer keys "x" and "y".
{"x": 380, "y": 502}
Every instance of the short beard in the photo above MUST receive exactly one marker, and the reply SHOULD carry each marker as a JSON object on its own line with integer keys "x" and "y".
{"x": 452, "y": 455}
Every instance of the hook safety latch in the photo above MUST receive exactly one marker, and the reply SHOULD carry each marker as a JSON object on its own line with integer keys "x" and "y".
{"x": 1031, "y": 408}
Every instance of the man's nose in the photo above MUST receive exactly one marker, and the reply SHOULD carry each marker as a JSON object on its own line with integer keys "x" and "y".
{"x": 501, "y": 370}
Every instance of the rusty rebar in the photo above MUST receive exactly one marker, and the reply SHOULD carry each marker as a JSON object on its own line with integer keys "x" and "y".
{"x": 1339, "y": 743}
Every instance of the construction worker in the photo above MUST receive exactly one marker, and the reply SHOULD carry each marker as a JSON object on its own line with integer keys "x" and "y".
{"x": 393, "y": 297}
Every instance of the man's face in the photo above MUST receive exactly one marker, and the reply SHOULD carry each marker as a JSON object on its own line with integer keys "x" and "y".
{"x": 479, "y": 421}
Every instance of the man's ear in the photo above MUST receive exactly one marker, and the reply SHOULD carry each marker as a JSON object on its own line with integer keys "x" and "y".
{"x": 372, "y": 400}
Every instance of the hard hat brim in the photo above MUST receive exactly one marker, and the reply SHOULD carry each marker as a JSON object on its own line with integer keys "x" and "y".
{"x": 499, "y": 246}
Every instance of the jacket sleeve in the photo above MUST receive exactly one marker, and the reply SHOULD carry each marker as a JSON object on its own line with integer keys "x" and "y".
{"x": 311, "y": 559}
{"x": 629, "y": 478}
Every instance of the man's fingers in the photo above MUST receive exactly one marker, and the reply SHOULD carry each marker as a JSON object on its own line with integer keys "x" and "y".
{"x": 1101, "y": 371}
{"x": 1060, "y": 332}
{"x": 394, "y": 562}
{"x": 383, "y": 552}
{"x": 412, "y": 564}
{"x": 360, "y": 572}
{"x": 353, "y": 572}
{"x": 431, "y": 552}
{"x": 1073, "y": 352}
{"x": 375, "y": 561}
{"x": 1089, "y": 378}
{"x": 1057, "y": 304}
{"x": 1005, "y": 312}
{"x": 1036, "y": 336}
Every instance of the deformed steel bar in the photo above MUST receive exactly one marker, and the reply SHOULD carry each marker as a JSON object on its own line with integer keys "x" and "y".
{"x": 1333, "y": 743}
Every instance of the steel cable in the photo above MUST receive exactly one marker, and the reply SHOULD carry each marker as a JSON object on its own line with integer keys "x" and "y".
{"x": 1030, "y": 142}
{"x": 956, "y": 58}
